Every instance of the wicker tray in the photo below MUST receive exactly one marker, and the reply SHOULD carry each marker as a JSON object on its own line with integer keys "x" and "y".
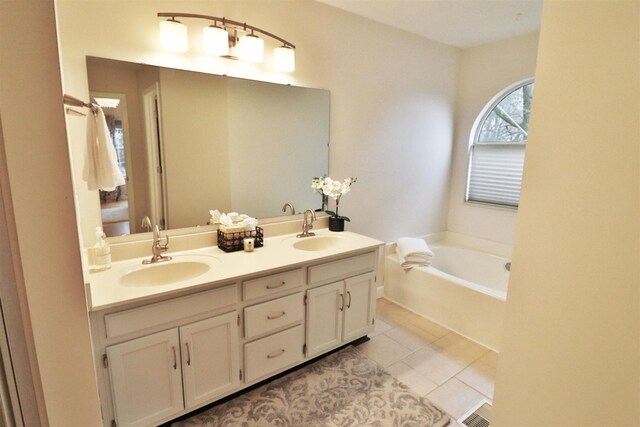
{"x": 231, "y": 242}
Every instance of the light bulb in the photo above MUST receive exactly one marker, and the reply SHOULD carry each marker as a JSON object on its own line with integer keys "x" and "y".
{"x": 215, "y": 40}
{"x": 173, "y": 36}
{"x": 284, "y": 59}
{"x": 251, "y": 48}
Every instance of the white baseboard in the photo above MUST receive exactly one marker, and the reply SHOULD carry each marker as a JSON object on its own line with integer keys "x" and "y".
{"x": 380, "y": 292}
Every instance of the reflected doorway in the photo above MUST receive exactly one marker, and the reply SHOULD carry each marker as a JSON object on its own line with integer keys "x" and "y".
{"x": 116, "y": 206}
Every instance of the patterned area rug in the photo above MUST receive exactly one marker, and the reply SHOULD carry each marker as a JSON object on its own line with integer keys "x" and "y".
{"x": 343, "y": 389}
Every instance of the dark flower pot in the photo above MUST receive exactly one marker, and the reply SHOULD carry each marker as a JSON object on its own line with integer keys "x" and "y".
{"x": 336, "y": 224}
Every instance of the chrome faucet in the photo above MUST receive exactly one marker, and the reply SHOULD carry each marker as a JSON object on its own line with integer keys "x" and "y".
{"x": 306, "y": 225}
{"x": 157, "y": 248}
{"x": 290, "y": 206}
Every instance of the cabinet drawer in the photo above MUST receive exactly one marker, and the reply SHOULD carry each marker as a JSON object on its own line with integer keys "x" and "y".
{"x": 138, "y": 319}
{"x": 272, "y": 315}
{"x": 336, "y": 270}
{"x": 272, "y": 284}
{"x": 273, "y": 353}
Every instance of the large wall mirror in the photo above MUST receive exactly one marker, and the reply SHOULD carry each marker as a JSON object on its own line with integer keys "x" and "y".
{"x": 191, "y": 142}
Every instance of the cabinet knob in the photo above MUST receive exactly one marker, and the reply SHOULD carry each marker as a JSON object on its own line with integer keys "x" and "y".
{"x": 349, "y": 296}
{"x": 341, "y": 302}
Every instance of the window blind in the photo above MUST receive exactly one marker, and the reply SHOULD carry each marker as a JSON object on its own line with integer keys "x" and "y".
{"x": 496, "y": 173}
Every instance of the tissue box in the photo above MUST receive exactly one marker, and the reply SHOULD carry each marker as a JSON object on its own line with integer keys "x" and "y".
{"x": 232, "y": 241}
{"x": 231, "y": 228}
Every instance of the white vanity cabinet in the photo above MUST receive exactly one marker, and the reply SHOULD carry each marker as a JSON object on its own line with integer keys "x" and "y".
{"x": 210, "y": 361}
{"x": 146, "y": 378}
{"x": 164, "y": 357}
{"x": 151, "y": 375}
{"x": 340, "y": 312}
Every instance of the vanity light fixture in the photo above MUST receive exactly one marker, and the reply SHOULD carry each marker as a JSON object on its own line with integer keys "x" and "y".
{"x": 215, "y": 40}
{"x": 284, "y": 59}
{"x": 222, "y": 39}
{"x": 173, "y": 35}
{"x": 251, "y": 48}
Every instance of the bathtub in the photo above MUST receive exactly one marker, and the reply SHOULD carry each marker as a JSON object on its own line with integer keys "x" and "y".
{"x": 464, "y": 289}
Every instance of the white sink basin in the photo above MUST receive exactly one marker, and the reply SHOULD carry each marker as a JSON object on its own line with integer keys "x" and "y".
{"x": 165, "y": 273}
{"x": 318, "y": 243}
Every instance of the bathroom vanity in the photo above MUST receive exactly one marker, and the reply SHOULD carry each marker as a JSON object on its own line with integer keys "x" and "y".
{"x": 173, "y": 337}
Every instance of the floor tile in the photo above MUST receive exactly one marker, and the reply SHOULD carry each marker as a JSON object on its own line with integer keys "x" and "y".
{"x": 437, "y": 366}
{"x": 459, "y": 348}
{"x": 393, "y": 314}
{"x": 481, "y": 374}
{"x": 430, "y": 327}
{"x": 384, "y": 350}
{"x": 382, "y": 302}
{"x": 455, "y": 397}
{"x": 412, "y": 378}
{"x": 410, "y": 336}
{"x": 380, "y": 327}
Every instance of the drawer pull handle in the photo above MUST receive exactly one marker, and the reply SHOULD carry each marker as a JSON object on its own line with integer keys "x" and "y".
{"x": 188, "y": 355}
{"x": 341, "y": 302}
{"x": 276, "y": 354}
{"x": 175, "y": 358}
{"x": 279, "y": 285}
{"x": 349, "y": 295}
{"x": 276, "y": 316}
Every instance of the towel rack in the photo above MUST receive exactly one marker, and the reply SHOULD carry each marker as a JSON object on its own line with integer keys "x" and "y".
{"x": 75, "y": 102}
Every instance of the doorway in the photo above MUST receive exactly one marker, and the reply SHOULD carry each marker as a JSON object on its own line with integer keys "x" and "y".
{"x": 117, "y": 206}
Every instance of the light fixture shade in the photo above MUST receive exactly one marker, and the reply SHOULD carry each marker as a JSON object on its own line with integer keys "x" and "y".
{"x": 215, "y": 40}
{"x": 284, "y": 59}
{"x": 173, "y": 36}
{"x": 251, "y": 48}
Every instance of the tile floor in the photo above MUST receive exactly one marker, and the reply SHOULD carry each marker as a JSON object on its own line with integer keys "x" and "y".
{"x": 450, "y": 370}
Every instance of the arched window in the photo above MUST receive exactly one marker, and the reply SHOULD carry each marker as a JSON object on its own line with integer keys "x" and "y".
{"x": 498, "y": 141}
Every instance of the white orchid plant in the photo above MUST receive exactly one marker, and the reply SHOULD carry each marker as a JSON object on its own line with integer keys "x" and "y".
{"x": 334, "y": 189}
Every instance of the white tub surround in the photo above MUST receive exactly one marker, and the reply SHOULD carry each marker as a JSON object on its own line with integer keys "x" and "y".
{"x": 464, "y": 289}
{"x": 174, "y": 336}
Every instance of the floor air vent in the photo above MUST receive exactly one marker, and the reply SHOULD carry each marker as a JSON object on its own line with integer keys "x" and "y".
{"x": 480, "y": 416}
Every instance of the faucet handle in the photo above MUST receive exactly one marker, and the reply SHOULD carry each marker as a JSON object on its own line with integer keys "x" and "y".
{"x": 146, "y": 224}
{"x": 166, "y": 243}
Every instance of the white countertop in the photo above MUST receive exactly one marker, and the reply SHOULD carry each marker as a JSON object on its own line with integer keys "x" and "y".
{"x": 278, "y": 253}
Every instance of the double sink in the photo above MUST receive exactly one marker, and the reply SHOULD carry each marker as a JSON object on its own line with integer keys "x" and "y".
{"x": 186, "y": 267}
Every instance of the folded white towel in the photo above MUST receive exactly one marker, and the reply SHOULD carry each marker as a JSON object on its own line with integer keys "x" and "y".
{"x": 413, "y": 252}
{"x": 101, "y": 171}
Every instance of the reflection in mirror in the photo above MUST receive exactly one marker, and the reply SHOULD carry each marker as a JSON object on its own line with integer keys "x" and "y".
{"x": 192, "y": 142}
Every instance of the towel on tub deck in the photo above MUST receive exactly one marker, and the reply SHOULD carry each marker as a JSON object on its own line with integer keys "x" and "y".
{"x": 413, "y": 252}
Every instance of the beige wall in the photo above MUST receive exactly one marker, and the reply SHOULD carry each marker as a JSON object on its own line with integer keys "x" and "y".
{"x": 194, "y": 187}
{"x": 392, "y": 95}
{"x": 276, "y": 134}
{"x": 484, "y": 72}
{"x": 570, "y": 351}
{"x": 41, "y": 197}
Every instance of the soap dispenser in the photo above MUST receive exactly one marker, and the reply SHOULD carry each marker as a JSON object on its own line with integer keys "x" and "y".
{"x": 101, "y": 252}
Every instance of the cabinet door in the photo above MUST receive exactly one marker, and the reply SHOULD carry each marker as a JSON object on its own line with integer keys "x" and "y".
{"x": 210, "y": 363}
{"x": 325, "y": 305}
{"x": 359, "y": 306}
{"x": 146, "y": 381}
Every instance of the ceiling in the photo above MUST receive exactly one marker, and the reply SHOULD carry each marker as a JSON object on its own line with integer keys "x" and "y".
{"x": 460, "y": 23}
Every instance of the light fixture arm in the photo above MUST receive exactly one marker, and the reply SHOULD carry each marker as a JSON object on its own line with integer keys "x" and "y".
{"x": 226, "y": 22}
